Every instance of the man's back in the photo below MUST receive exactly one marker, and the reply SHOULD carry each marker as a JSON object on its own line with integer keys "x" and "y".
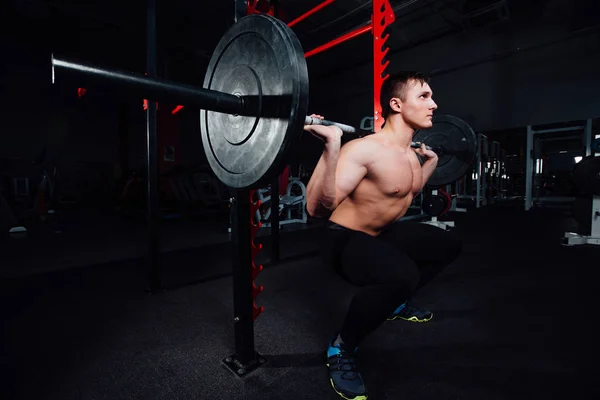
{"x": 383, "y": 195}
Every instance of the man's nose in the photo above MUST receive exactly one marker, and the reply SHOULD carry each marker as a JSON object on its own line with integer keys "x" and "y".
{"x": 433, "y": 105}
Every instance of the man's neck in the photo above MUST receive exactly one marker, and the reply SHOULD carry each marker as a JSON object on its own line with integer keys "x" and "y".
{"x": 397, "y": 132}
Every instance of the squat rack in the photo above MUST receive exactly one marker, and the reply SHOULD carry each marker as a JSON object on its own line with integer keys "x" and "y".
{"x": 245, "y": 358}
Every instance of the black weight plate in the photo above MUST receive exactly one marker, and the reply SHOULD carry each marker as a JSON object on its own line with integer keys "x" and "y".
{"x": 460, "y": 147}
{"x": 434, "y": 205}
{"x": 260, "y": 59}
{"x": 586, "y": 175}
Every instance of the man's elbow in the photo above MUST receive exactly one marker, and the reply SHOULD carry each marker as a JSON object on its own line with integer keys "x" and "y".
{"x": 328, "y": 203}
{"x": 320, "y": 209}
{"x": 313, "y": 211}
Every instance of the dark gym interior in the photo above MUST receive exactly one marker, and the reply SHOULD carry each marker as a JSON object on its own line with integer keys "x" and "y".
{"x": 120, "y": 246}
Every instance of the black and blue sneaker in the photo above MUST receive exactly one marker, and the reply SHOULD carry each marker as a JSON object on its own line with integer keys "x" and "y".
{"x": 411, "y": 313}
{"x": 343, "y": 375}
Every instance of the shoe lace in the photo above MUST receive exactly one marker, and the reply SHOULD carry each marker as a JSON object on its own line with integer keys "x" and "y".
{"x": 346, "y": 362}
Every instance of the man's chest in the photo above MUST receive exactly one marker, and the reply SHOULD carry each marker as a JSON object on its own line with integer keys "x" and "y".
{"x": 396, "y": 173}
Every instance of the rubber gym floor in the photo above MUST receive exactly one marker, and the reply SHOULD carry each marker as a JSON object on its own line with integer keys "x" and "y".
{"x": 512, "y": 320}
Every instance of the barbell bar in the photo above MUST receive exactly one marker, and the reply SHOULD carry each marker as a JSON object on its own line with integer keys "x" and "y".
{"x": 165, "y": 90}
{"x": 145, "y": 86}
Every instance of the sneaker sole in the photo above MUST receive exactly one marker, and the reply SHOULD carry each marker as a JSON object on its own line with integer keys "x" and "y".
{"x": 411, "y": 319}
{"x": 344, "y": 397}
{"x": 341, "y": 394}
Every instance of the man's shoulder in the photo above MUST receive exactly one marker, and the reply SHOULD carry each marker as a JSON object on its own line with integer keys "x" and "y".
{"x": 365, "y": 148}
{"x": 364, "y": 144}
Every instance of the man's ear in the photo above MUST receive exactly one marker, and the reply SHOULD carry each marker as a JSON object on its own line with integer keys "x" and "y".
{"x": 396, "y": 104}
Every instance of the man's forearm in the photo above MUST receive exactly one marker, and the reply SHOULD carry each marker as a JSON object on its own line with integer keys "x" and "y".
{"x": 317, "y": 210}
{"x": 428, "y": 167}
{"x": 321, "y": 191}
{"x": 328, "y": 191}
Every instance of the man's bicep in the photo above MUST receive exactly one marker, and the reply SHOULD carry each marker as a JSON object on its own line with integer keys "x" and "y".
{"x": 351, "y": 169}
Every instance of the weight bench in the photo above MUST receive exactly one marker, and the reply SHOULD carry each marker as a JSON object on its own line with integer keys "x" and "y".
{"x": 287, "y": 202}
{"x": 445, "y": 225}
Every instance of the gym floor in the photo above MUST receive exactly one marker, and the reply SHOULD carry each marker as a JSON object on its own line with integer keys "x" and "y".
{"x": 511, "y": 320}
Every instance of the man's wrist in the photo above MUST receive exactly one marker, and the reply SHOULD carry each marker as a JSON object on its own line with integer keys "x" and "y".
{"x": 333, "y": 143}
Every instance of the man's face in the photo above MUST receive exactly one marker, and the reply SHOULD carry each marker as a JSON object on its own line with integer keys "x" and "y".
{"x": 418, "y": 105}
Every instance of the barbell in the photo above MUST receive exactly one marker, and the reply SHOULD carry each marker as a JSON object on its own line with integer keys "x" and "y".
{"x": 254, "y": 103}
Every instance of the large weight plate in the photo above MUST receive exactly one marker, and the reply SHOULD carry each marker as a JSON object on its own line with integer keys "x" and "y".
{"x": 434, "y": 205}
{"x": 460, "y": 144}
{"x": 260, "y": 59}
{"x": 586, "y": 175}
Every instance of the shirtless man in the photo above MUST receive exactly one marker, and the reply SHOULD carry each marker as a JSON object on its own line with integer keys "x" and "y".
{"x": 364, "y": 188}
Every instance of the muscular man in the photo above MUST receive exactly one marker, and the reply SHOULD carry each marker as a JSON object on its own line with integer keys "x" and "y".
{"x": 365, "y": 187}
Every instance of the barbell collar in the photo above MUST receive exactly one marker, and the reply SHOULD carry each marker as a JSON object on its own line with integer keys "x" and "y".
{"x": 148, "y": 87}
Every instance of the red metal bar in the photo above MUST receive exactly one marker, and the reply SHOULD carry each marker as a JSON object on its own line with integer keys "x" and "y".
{"x": 258, "y": 7}
{"x": 383, "y": 16}
{"x": 326, "y": 46}
{"x": 310, "y": 12}
{"x": 176, "y": 110}
{"x": 251, "y": 7}
{"x": 339, "y": 40}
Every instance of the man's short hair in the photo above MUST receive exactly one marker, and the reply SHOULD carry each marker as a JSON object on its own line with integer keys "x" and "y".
{"x": 396, "y": 85}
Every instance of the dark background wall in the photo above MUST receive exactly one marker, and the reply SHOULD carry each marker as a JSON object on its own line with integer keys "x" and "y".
{"x": 493, "y": 77}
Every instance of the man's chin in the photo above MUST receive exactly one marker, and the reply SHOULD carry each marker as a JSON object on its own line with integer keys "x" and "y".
{"x": 425, "y": 125}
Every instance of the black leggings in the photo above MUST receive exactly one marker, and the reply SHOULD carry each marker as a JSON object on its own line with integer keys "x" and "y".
{"x": 388, "y": 268}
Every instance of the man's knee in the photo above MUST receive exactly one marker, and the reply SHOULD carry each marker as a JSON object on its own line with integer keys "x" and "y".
{"x": 403, "y": 275}
{"x": 389, "y": 295}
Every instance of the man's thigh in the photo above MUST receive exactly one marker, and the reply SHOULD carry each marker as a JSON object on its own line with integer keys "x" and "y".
{"x": 368, "y": 260}
{"x": 423, "y": 243}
